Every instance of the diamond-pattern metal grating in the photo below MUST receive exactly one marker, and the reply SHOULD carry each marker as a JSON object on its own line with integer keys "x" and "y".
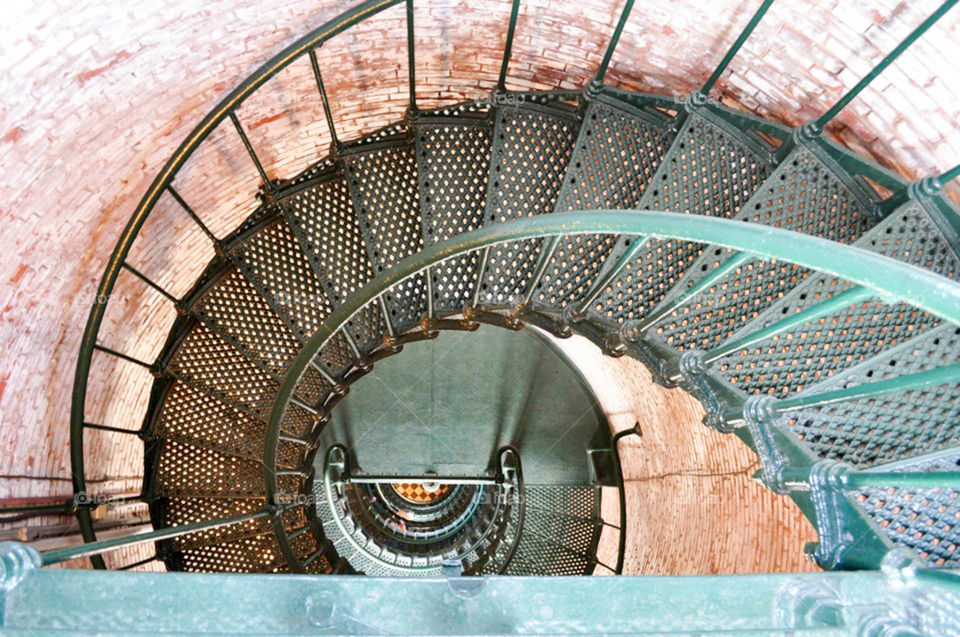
{"x": 531, "y": 151}
{"x": 615, "y": 158}
{"x": 387, "y": 196}
{"x": 383, "y": 184}
{"x": 552, "y": 542}
{"x": 707, "y": 171}
{"x": 922, "y": 520}
{"x": 800, "y": 195}
{"x": 787, "y": 363}
{"x": 454, "y": 160}
{"x": 893, "y": 426}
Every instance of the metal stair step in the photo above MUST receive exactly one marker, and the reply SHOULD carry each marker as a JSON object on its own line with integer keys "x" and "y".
{"x": 532, "y": 146}
{"x": 789, "y": 362}
{"x": 453, "y": 155}
{"x": 793, "y": 197}
{"x": 709, "y": 171}
{"x": 615, "y": 158}
{"x": 382, "y": 182}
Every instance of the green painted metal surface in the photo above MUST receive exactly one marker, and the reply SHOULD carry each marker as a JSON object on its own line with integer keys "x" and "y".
{"x": 865, "y": 603}
{"x": 446, "y": 405}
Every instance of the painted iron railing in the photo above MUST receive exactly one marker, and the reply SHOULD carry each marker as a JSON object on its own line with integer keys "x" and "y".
{"x": 791, "y": 469}
{"x": 163, "y": 183}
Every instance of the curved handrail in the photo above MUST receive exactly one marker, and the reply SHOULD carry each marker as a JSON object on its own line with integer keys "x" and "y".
{"x": 888, "y": 278}
{"x": 160, "y": 183}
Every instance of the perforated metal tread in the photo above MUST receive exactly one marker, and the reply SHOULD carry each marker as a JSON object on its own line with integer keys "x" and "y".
{"x": 707, "y": 171}
{"x": 793, "y": 360}
{"x": 557, "y": 544}
{"x": 921, "y": 520}
{"x": 383, "y": 186}
{"x": 275, "y": 260}
{"x": 325, "y": 223}
{"x": 614, "y": 160}
{"x": 192, "y": 416}
{"x": 453, "y": 155}
{"x": 531, "y": 149}
{"x": 800, "y": 195}
{"x": 893, "y": 426}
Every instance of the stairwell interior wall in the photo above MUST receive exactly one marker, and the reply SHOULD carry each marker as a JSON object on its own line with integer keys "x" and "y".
{"x": 97, "y": 95}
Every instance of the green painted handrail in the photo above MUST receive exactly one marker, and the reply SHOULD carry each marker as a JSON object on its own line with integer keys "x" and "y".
{"x": 881, "y": 275}
{"x": 162, "y": 182}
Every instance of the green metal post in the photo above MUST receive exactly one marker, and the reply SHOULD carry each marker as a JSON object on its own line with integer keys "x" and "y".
{"x": 140, "y": 275}
{"x": 739, "y": 258}
{"x": 849, "y": 297}
{"x": 824, "y": 119}
{"x": 751, "y": 25}
{"x": 508, "y": 46}
{"x": 610, "y": 274}
{"x": 953, "y": 173}
{"x": 250, "y": 151}
{"x": 323, "y": 98}
{"x": 612, "y": 45}
{"x": 193, "y": 215}
{"x": 122, "y": 356}
{"x": 546, "y": 253}
{"x": 907, "y": 382}
{"x": 411, "y": 67}
{"x": 104, "y": 546}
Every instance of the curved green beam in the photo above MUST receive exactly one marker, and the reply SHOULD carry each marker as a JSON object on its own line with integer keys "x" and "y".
{"x": 889, "y": 278}
{"x": 160, "y": 183}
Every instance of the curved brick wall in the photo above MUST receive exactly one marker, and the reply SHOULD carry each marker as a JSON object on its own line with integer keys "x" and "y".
{"x": 98, "y": 94}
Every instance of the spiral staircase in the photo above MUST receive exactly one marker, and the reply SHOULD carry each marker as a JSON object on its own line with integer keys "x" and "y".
{"x": 808, "y": 298}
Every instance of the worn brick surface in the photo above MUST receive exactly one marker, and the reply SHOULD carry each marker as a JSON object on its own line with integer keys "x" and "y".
{"x": 97, "y": 95}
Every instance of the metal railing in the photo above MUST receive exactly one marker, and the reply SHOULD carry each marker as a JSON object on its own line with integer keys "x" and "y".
{"x": 938, "y": 297}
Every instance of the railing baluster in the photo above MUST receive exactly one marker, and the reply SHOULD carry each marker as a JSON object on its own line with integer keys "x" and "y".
{"x": 612, "y": 45}
{"x": 944, "y": 375}
{"x": 304, "y": 406}
{"x": 129, "y": 359}
{"x": 508, "y": 46}
{"x": 855, "y": 294}
{"x": 481, "y": 270}
{"x": 611, "y": 273}
{"x": 139, "y": 563}
{"x": 411, "y": 67}
{"x": 385, "y": 311}
{"x": 430, "y": 309}
{"x": 140, "y": 275}
{"x": 352, "y": 344}
{"x": 546, "y": 253}
{"x": 324, "y": 373}
{"x": 253, "y": 155}
{"x": 632, "y": 332}
{"x": 97, "y": 548}
{"x": 824, "y": 119}
{"x": 845, "y": 478}
{"x": 735, "y": 48}
{"x": 293, "y": 439}
{"x": 193, "y": 215}
{"x": 119, "y": 430}
{"x": 323, "y": 98}
{"x": 953, "y": 173}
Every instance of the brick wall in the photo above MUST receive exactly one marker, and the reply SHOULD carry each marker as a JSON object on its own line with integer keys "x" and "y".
{"x": 97, "y": 95}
